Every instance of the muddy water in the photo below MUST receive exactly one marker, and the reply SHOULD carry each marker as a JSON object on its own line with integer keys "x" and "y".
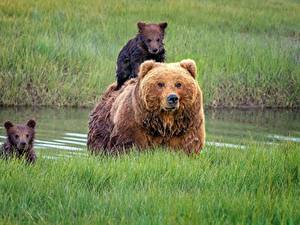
{"x": 62, "y": 132}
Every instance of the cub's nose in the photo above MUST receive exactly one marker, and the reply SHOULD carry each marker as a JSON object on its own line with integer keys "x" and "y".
{"x": 22, "y": 144}
{"x": 155, "y": 50}
{"x": 172, "y": 99}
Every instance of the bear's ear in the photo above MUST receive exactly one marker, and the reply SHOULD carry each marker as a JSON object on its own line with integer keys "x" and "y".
{"x": 190, "y": 66}
{"x": 8, "y": 125}
{"x": 145, "y": 67}
{"x": 141, "y": 26}
{"x": 31, "y": 124}
{"x": 163, "y": 25}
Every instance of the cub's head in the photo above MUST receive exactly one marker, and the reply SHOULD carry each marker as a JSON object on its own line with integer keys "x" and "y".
{"x": 168, "y": 86}
{"x": 21, "y": 136}
{"x": 152, "y": 35}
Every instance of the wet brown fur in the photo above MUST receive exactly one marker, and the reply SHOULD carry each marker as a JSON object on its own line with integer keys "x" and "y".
{"x": 19, "y": 142}
{"x": 137, "y": 114}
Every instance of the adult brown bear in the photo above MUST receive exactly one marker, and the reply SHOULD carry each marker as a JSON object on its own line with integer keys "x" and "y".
{"x": 163, "y": 106}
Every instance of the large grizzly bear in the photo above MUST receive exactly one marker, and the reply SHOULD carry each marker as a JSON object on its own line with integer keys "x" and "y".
{"x": 163, "y": 106}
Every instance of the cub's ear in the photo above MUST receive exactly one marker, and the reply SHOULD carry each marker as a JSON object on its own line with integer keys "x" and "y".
{"x": 8, "y": 125}
{"x": 190, "y": 66}
{"x": 163, "y": 25}
{"x": 145, "y": 67}
{"x": 141, "y": 26}
{"x": 31, "y": 124}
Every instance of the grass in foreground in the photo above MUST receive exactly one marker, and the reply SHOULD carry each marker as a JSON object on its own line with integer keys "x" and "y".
{"x": 64, "y": 52}
{"x": 256, "y": 186}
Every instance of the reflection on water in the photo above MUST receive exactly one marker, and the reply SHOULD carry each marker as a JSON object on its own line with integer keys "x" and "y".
{"x": 62, "y": 131}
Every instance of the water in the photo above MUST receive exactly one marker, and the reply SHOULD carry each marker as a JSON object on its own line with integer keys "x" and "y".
{"x": 63, "y": 131}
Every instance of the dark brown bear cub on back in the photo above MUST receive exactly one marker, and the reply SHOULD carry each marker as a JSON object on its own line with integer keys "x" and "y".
{"x": 19, "y": 142}
{"x": 148, "y": 44}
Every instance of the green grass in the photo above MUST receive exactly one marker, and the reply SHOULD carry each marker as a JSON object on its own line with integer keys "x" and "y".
{"x": 64, "y": 52}
{"x": 260, "y": 185}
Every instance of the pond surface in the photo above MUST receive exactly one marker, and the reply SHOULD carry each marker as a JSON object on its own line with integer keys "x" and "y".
{"x": 63, "y": 131}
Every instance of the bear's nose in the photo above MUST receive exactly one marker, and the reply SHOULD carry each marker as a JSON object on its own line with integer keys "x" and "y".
{"x": 22, "y": 144}
{"x": 172, "y": 99}
{"x": 155, "y": 50}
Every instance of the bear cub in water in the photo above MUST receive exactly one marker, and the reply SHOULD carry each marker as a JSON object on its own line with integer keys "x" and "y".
{"x": 148, "y": 44}
{"x": 19, "y": 142}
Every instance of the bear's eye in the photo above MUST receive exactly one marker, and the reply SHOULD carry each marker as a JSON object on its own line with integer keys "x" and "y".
{"x": 160, "y": 84}
{"x": 148, "y": 40}
{"x": 27, "y": 135}
{"x": 16, "y": 136}
{"x": 158, "y": 40}
{"x": 178, "y": 85}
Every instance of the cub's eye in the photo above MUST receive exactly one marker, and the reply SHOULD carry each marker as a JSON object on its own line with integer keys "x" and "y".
{"x": 160, "y": 84}
{"x": 158, "y": 40}
{"x": 27, "y": 135}
{"x": 16, "y": 136}
{"x": 178, "y": 85}
{"x": 148, "y": 40}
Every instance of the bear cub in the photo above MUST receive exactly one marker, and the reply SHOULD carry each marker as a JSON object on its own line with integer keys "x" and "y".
{"x": 19, "y": 142}
{"x": 148, "y": 44}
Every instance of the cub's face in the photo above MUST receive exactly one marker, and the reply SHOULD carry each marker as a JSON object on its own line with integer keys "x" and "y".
{"x": 152, "y": 36}
{"x": 168, "y": 87}
{"x": 20, "y": 136}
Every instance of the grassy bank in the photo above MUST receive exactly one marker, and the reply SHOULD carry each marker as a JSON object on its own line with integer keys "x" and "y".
{"x": 64, "y": 52}
{"x": 221, "y": 186}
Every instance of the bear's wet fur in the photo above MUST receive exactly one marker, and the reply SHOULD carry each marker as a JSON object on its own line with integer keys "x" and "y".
{"x": 19, "y": 142}
{"x": 163, "y": 106}
{"x": 148, "y": 44}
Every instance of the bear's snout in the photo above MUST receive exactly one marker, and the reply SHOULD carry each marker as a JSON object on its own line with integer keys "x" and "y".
{"x": 22, "y": 145}
{"x": 172, "y": 100}
{"x": 154, "y": 50}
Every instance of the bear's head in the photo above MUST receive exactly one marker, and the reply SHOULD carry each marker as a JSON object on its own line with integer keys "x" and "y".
{"x": 20, "y": 136}
{"x": 168, "y": 86}
{"x": 152, "y": 36}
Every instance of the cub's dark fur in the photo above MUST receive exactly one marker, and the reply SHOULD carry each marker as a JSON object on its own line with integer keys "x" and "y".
{"x": 19, "y": 142}
{"x": 148, "y": 44}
